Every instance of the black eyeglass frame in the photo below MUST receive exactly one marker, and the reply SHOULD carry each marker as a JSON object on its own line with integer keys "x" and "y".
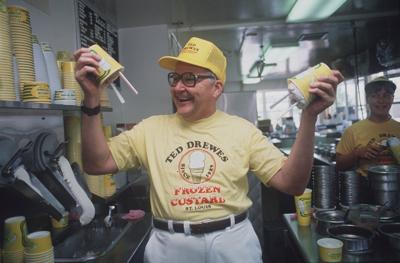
{"x": 174, "y": 78}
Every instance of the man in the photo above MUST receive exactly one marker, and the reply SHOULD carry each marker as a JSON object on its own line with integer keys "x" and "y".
{"x": 198, "y": 158}
{"x": 365, "y": 142}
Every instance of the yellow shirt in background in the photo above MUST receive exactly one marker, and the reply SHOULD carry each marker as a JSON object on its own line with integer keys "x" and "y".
{"x": 364, "y": 133}
{"x": 198, "y": 170}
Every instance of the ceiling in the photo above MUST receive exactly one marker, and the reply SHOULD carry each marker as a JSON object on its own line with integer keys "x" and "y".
{"x": 239, "y": 27}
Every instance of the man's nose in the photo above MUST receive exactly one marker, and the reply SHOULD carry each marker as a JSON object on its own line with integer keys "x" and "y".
{"x": 180, "y": 86}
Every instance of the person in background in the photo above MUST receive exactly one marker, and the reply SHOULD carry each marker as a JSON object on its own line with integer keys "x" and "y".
{"x": 198, "y": 158}
{"x": 365, "y": 142}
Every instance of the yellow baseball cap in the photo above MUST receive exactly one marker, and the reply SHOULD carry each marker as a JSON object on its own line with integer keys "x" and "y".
{"x": 201, "y": 53}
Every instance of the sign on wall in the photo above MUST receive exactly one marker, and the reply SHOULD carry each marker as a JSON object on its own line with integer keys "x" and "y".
{"x": 94, "y": 29}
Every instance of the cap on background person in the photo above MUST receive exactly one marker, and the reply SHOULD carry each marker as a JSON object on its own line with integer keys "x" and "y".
{"x": 378, "y": 83}
{"x": 201, "y": 53}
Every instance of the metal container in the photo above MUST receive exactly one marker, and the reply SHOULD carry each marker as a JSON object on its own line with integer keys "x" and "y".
{"x": 385, "y": 182}
{"x": 356, "y": 239}
{"x": 326, "y": 219}
{"x": 391, "y": 233}
{"x": 324, "y": 184}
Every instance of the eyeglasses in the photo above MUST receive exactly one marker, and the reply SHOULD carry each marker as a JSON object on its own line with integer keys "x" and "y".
{"x": 189, "y": 79}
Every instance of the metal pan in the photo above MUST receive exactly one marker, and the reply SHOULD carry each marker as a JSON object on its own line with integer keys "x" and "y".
{"x": 356, "y": 239}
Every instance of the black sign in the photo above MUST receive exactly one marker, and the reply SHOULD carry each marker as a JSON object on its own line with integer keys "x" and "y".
{"x": 93, "y": 29}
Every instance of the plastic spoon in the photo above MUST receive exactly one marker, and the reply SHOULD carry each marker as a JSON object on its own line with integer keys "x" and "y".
{"x": 119, "y": 96}
{"x": 127, "y": 82}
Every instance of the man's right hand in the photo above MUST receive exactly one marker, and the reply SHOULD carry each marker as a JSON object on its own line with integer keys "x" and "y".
{"x": 86, "y": 74}
{"x": 369, "y": 152}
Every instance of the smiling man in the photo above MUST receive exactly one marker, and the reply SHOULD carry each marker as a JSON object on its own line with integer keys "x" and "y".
{"x": 198, "y": 158}
{"x": 365, "y": 142}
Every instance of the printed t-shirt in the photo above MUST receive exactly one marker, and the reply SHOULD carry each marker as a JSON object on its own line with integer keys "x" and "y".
{"x": 198, "y": 170}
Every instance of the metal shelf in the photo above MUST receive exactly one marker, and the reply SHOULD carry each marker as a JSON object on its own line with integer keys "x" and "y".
{"x": 41, "y": 106}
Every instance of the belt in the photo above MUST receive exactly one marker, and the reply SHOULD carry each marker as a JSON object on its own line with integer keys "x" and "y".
{"x": 199, "y": 228}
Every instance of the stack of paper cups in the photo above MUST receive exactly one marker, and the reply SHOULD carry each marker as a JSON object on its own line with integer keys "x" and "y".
{"x": 39, "y": 248}
{"x": 15, "y": 232}
{"x": 69, "y": 81}
{"x": 62, "y": 56}
{"x": 21, "y": 36}
{"x": 299, "y": 85}
{"x": 7, "y": 91}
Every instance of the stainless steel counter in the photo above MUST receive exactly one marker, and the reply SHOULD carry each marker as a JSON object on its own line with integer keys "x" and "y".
{"x": 122, "y": 242}
{"x": 305, "y": 240}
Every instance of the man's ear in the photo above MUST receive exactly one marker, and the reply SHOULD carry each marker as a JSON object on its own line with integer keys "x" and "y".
{"x": 219, "y": 88}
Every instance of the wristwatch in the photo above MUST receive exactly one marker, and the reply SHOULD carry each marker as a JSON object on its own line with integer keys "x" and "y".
{"x": 90, "y": 111}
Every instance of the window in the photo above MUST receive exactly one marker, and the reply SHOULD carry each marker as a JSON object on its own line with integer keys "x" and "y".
{"x": 266, "y": 98}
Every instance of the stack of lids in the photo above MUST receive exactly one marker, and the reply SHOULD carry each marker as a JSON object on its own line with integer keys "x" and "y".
{"x": 39, "y": 61}
{"x": 69, "y": 81}
{"x": 37, "y": 92}
{"x": 52, "y": 70}
{"x": 65, "y": 97}
{"x": 21, "y": 36}
{"x": 7, "y": 91}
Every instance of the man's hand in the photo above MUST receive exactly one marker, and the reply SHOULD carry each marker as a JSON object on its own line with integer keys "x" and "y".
{"x": 86, "y": 74}
{"x": 369, "y": 152}
{"x": 324, "y": 88}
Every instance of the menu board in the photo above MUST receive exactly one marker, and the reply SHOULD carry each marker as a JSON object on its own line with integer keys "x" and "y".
{"x": 94, "y": 29}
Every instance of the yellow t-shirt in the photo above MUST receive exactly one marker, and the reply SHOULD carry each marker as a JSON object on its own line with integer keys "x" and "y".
{"x": 198, "y": 170}
{"x": 364, "y": 133}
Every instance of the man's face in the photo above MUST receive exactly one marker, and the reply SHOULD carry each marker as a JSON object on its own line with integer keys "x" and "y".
{"x": 197, "y": 102}
{"x": 380, "y": 101}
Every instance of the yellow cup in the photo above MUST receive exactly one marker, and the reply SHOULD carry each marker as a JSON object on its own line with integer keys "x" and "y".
{"x": 38, "y": 242}
{"x": 330, "y": 249}
{"x": 63, "y": 222}
{"x": 303, "y": 207}
{"x": 68, "y": 66}
{"x": 299, "y": 85}
{"x": 109, "y": 67}
{"x": 15, "y": 231}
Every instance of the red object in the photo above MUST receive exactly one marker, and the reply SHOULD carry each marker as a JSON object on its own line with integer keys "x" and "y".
{"x": 134, "y": 215}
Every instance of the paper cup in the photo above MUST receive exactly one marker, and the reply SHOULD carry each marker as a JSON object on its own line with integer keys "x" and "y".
{"x": 38, "y": 242}
{"x": 63, "y": 222}
{"x": 330, "y": 249}
{"x": 109, "y": 67}
{"x": 15, "y": 231}
{"x": 303, "y": 207}
{"x": 299, "y": 85}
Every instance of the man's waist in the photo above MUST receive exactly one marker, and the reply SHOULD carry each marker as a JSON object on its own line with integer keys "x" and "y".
{"x": 202, "y": 227}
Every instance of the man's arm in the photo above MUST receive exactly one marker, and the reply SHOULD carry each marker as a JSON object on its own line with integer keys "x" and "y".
{"x": 96, "y": 155}
{"x": 293, "y": 177}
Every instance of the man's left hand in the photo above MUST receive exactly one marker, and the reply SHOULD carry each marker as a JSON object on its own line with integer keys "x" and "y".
{"x": 324, "y": 88}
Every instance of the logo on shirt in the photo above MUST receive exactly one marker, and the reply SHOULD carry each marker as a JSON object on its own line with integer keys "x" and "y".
{"x": 196, "y": 166}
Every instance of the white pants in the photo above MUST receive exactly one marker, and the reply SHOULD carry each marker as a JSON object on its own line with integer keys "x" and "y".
{"x": 237, "y": 244}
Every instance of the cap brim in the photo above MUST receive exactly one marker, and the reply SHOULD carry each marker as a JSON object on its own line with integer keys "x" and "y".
{"x": 379, "y": 83}
{"x": 169, "y": 62}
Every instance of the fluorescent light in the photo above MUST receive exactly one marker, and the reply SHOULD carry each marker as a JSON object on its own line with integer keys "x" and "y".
{"x": 279, "y": 52}
{"x": 313, "y": 10}
{"x": 251, "y": 80}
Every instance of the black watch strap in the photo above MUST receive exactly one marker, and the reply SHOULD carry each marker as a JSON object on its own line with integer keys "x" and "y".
{"x": 90, "y": 111}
